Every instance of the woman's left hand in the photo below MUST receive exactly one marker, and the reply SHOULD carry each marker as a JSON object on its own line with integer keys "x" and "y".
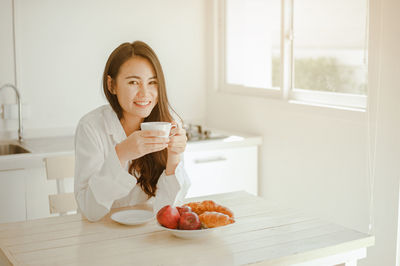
{"x": 177, "y": 140}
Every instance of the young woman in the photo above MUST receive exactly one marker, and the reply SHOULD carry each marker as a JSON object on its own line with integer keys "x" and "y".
{"x": 117, "y": 164}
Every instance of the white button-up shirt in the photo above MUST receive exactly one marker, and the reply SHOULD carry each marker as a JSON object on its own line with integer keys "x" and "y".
{"x": 101, "y": 183}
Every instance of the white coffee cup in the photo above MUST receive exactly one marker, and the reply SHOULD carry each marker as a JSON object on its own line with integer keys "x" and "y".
{"x": 159, "y": 126}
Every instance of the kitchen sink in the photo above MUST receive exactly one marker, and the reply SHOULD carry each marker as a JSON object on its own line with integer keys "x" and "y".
{"x": 203, "y": 137}
{"x": 196, "y": 133}
{"x": 10, "y": 149}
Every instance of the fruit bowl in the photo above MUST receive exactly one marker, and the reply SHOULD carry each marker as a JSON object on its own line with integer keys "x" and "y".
{"x": 194, "y": 234}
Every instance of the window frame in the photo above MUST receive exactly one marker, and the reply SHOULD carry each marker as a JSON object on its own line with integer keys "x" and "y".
{"x": 287, "y": 92}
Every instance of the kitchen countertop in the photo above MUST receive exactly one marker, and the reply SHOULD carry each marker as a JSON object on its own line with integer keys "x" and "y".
{"x": 41, "y": 148}
{"x": 230, "y": 140}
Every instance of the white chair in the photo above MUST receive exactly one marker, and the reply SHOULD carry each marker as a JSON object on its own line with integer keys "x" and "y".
{"x": 58, "y": 168}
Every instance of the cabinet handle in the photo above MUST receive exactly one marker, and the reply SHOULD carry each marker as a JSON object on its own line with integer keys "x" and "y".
{"x": 210, "y": 160}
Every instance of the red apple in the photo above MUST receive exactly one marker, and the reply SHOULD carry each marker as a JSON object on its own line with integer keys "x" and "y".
{"x": 184, "y": 209}
{"x": 189, "y": 221}
{"x": 168, "y": 216}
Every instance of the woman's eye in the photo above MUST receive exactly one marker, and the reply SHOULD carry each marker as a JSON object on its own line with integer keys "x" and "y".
{"x": 133, "y": 82}
{"x": 153, "y": 82}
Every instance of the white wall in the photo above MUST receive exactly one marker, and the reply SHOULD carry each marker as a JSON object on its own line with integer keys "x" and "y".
{"x": 62, "y": 47}
{"x": 6, "y": 51}
{"x": 316, "y": 158}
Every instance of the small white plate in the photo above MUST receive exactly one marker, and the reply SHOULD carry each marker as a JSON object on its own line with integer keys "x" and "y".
{"x": 132, "y": 217}
{"x": 194, "y": 234}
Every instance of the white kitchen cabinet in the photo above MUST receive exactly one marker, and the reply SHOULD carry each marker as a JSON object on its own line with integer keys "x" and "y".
{"x": 222, "y": 170}
{"x": 24, "y": 194}
{"x": 12, "y": 196}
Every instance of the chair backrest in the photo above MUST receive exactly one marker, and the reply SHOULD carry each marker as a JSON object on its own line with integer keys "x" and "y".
{"x": 58, "y": 168}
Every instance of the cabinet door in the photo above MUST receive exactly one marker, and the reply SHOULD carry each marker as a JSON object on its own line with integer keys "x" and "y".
{"x": 12, "y": 196}
{"x": 223, "y": 170}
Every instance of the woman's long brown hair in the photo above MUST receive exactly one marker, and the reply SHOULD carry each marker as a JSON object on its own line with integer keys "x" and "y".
{"x": 147, "y": 169}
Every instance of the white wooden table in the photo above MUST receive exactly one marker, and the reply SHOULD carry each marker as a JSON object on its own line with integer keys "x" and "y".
{"x": 264, "y": 234}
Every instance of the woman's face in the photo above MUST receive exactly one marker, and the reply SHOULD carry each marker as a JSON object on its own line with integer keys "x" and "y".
{"x": 136, "y": 87}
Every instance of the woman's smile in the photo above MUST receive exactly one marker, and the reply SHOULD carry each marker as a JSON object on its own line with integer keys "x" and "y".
{"x": 142, "y": 104}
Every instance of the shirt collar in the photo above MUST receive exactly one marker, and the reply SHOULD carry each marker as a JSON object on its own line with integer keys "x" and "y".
{"x": 113, "y": 125}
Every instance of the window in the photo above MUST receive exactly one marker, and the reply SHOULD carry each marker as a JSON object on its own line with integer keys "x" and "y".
{"x": 253, "y": 43}
{"x": 309, "y": 51}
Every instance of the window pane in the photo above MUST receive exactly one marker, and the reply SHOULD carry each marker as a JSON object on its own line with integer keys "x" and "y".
{"x": 330, "y": 45}
{"x": 253, "y": 43}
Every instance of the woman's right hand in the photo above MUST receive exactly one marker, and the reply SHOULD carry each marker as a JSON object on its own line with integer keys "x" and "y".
{"x": 140, "y": 143}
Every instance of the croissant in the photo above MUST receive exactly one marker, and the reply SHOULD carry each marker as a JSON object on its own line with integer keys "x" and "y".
{"x": 215, "y": 219}
{"x": 209, "y": 205}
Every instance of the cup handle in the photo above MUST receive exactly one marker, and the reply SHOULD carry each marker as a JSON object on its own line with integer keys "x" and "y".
{"x": 173, "y": 126}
